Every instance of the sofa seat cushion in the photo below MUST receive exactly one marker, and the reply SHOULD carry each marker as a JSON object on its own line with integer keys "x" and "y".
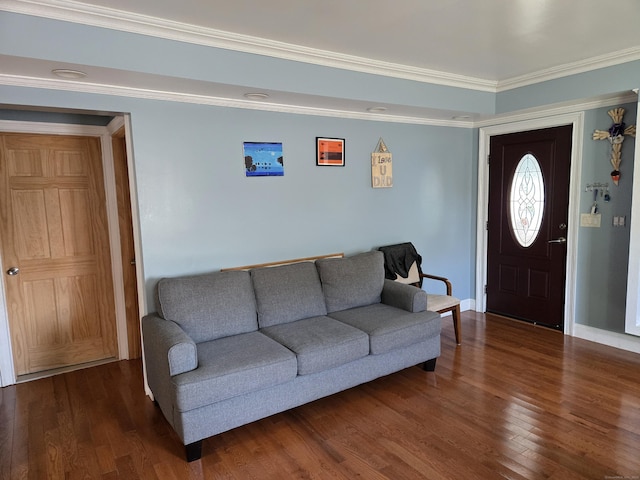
{"x": 320, "y": 343}
{"x": 232, "y": 366}
{"x": 352, "y": 281}
{"x": 287, "y": 293}
{"x": 390, "y": 327}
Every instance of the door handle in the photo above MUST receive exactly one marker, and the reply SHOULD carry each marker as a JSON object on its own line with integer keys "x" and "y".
{"x": 558, "y": 240}
{"x": 13, "y": 271}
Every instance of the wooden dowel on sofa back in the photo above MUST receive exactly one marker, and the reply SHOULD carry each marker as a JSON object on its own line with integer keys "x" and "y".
{"x": 284, "y": 262}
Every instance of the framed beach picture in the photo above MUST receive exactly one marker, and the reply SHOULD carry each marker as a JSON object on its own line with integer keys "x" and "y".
{"x": 330, "y": 152}
{"x": 263, "y": 159}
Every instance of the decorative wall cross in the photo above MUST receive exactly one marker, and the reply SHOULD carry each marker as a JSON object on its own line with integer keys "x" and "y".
{"x": 615, "y": 135}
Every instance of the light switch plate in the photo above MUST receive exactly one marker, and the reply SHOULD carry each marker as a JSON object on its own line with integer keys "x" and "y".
{"x": 590, "y": 220}
{"x": 619, "y": 221}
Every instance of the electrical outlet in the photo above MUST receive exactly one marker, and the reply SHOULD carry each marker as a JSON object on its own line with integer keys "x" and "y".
{"x": 616, "y": 221}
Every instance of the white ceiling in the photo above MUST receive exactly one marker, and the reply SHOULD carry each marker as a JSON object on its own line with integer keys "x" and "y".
{"x": 493, "y": 43}
{"x": 487, "y": 39}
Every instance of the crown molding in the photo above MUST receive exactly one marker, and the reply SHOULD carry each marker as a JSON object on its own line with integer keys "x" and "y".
{"x": 77, "y": 12}
{"x": 574, "y": 68}
{"x": 167, "y": 96}
{"x": 81, "y": 13}
{"x": 148, "y": 94}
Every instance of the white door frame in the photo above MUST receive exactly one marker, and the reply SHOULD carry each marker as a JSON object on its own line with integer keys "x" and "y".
{"x": 7, "y": 370}
{"x": 632, "y": 318}
{"x": 577, "y": 121}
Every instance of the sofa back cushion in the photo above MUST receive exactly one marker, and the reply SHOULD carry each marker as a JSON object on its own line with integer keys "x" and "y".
{"x": 209, "y": 306}
{"x": 287, "y": 293}
{"x": 352, "y": 281}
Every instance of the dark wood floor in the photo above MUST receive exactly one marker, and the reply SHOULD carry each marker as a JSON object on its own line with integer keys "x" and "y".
{"x": 514, "y": 401}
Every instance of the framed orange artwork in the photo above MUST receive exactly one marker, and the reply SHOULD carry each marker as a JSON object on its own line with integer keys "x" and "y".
{"x": 330, "y": 152}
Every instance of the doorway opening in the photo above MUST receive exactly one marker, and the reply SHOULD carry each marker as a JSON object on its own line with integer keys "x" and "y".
{"x": 527, "y": 225}
{"x": 114, "y": 133}
{"x": 575, "y": 121}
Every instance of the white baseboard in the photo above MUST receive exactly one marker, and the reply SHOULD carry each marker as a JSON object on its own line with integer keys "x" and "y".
{"x": 468, "y": 304}
{"x": 622, "y": 341}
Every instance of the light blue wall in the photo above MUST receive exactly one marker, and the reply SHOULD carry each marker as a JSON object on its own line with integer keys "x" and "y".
{"x": 603, "y": 253}
{"x": 604, "y": 81}
{"x": 198, "y": 211}
{"x": 195, "y": 196}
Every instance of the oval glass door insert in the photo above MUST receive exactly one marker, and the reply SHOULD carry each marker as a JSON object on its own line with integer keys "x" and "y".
{"x": 526, "y": 202}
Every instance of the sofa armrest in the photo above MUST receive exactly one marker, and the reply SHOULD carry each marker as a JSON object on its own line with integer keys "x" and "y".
{"x": 406, "y": 297}
{"x": 167, "y": 347}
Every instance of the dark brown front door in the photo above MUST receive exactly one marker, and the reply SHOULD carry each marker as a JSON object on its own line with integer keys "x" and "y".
{"x": 527, "y": 230}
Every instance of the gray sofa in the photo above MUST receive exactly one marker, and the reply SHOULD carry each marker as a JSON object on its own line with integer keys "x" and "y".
{"x": 229, "y": 348}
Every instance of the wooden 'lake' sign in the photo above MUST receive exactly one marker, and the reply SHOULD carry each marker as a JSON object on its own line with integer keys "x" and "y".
{"x": 381, "y": 167}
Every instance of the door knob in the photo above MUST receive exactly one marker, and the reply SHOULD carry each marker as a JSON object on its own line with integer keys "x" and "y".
{"x": 558, "y": 240}
{"x": 13, "y": 271}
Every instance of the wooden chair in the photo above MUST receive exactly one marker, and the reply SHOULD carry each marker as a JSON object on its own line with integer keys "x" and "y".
{"x": 403, "y": 264}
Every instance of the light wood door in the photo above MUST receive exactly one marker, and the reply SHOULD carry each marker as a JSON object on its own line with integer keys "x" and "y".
{"x": 54, "y": 231}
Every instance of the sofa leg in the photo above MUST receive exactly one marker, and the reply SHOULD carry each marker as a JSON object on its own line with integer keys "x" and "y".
{"x": 430, "y": 365}
{"x": 194, "y": 451}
